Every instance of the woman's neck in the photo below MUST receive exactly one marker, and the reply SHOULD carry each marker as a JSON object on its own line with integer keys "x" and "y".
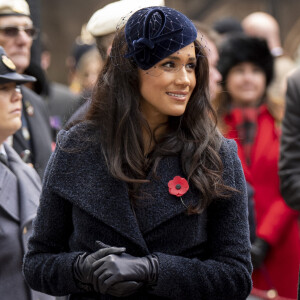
{"x": 152, "y": 136}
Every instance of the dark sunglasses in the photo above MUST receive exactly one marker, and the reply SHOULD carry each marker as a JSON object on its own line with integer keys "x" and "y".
{"x": 13, "y": 31}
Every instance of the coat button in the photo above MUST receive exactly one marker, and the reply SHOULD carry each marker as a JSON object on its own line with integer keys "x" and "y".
{"x": 25, "y": 230}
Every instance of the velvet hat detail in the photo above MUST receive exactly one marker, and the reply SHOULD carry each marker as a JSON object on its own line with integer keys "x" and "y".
{"x": 239, "y": 48}
{"x": 154, "y": 33}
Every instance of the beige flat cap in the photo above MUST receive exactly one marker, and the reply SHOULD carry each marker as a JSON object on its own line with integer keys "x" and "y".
{"x": 106, "y": 19}
{"x": 14, "y": 7}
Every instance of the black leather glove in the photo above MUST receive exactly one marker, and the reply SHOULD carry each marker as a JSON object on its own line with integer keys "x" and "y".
{"x": 124, "y": 288}
{"x": 116, "y": 274}
{"x": 83, "y": 269}
{"x": 259, "y": 251}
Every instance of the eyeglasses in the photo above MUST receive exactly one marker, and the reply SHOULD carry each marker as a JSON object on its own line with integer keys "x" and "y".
{"x": 13, "y": 31}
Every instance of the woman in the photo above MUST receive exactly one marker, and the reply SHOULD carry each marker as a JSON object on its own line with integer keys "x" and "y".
{"x": 244, "y": 109}
{"x": 148, "y": 174}
{"x": 20, "y": 189}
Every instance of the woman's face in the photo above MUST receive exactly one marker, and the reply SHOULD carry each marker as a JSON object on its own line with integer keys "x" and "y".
{"x": 167, "y": 87}
{"x": 246, "y": 84}
{"x": 10, "y": 110}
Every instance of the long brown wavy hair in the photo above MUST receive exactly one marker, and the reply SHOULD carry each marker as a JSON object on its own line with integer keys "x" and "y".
{"x": 194, "y": 136}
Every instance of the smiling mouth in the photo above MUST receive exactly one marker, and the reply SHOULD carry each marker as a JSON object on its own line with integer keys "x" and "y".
{"x": 179, "y": 96}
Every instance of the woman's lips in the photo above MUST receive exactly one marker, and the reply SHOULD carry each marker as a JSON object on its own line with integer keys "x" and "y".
{"x": 178, "y": 95}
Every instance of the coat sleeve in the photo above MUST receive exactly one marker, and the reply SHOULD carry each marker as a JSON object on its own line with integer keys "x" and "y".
{"x": 48, "y": 263}
{"x": 226, "y": 274}
{"x": 289, "y": 164}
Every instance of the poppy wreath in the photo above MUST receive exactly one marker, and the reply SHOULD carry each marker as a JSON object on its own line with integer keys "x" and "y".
{"x": 178, "y": 186}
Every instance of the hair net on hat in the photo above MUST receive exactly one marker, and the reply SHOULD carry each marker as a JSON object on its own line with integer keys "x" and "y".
{"x": 239, "y": 48}
{"x": 14, "y": 7}
{"x": 154, "y": 33}
{"x": 105, "y": 20}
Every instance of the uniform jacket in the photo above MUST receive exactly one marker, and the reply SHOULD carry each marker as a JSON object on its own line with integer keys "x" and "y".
{"x": 39, "y": 127}
{"x": 62, "y": 103}
{"x": 276, "y": 223}
{"x": 19, "y": 196}
{"x": 289, "y": 170}
{"x": 202, "y": 256}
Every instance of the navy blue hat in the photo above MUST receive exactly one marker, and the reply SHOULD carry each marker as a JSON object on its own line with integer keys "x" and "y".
{"x": 154, "y": 33}
{"x": 8, "y": 71}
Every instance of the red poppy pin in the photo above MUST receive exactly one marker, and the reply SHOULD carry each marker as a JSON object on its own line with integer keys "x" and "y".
{"x": 178, "y": 186}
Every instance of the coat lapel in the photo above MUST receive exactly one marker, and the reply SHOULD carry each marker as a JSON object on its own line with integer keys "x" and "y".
{"x": 28, "y": 186}
{"x": 9, "y": 192}
{"x": 91, "y": 187}
{"x": 160, "y": 205}
{"x": 94, "y": 190}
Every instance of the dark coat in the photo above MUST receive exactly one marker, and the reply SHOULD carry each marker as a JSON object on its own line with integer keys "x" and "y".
{"x": 19, "y": 196}
{"x": 289, "y": 170}
{"x": 39, "y": 128}
{"x": 205, "y": 256}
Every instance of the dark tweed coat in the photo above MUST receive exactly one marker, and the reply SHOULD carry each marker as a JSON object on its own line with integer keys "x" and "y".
{"x": 204, "y": 256}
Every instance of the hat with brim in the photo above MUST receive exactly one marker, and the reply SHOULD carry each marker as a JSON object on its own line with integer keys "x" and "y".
{"x": 17, "y": 78}
{"x": 14, "y": 8}
{"x": 106, "y": 20}
{"x": 8, "y": 71}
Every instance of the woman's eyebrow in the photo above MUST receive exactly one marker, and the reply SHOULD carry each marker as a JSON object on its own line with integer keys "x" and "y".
{"x": 191, "y": 58}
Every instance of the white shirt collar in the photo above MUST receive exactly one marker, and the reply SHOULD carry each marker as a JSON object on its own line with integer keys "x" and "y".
{"x": 2, "y": 150}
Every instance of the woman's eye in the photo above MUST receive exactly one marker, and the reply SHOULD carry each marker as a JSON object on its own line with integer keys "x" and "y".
{"x": 169, "y": 64}
{"x": 191, "y": 66}
{"x": 4, "y": 88}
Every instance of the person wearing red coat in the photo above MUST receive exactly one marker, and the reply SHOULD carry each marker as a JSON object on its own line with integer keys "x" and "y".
{"x": 247, "y": 67}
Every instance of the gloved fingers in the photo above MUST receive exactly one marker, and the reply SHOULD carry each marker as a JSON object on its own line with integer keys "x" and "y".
{"x": 106, "y": 280}
{"x": 101, "y": 245}
{"x": 98, "y": 271}
{"x": 124, "y": 288}
{"x": 107, "y": 251}
{"x": 98, "y": 281}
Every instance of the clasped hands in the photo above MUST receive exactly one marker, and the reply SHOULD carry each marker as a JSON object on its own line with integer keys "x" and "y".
{"x": 112, "y": 271}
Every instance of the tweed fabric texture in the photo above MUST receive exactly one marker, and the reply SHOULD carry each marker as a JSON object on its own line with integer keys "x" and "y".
{"x": 205, "y": 256}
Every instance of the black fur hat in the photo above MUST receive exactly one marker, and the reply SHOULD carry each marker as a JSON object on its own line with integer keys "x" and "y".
{"x": 239, "y": 48}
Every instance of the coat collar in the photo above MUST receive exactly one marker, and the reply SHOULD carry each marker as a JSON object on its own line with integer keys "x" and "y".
{"x": 9, "y": 192}
{"x": 106, "y": 198}
{"x": 29, "y": 186}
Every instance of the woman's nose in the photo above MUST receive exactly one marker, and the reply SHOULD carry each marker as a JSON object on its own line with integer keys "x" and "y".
{"x": 182, "y": 77}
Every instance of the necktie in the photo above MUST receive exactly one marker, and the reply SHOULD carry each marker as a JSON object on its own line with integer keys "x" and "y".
{"x": 3, "y": 159}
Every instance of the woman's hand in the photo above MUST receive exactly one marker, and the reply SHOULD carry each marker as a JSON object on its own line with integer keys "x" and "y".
{"x": 83, "y": 269}
{"x": 259, "y": 251}
{"x": 124, "y": 273}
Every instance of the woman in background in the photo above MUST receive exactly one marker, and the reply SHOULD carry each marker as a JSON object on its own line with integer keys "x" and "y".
{"x": 20, "y": 189}
{"x": 244, "y": 112}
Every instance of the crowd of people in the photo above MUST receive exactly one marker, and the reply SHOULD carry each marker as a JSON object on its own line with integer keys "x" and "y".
{"x": 167, "y": 170}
